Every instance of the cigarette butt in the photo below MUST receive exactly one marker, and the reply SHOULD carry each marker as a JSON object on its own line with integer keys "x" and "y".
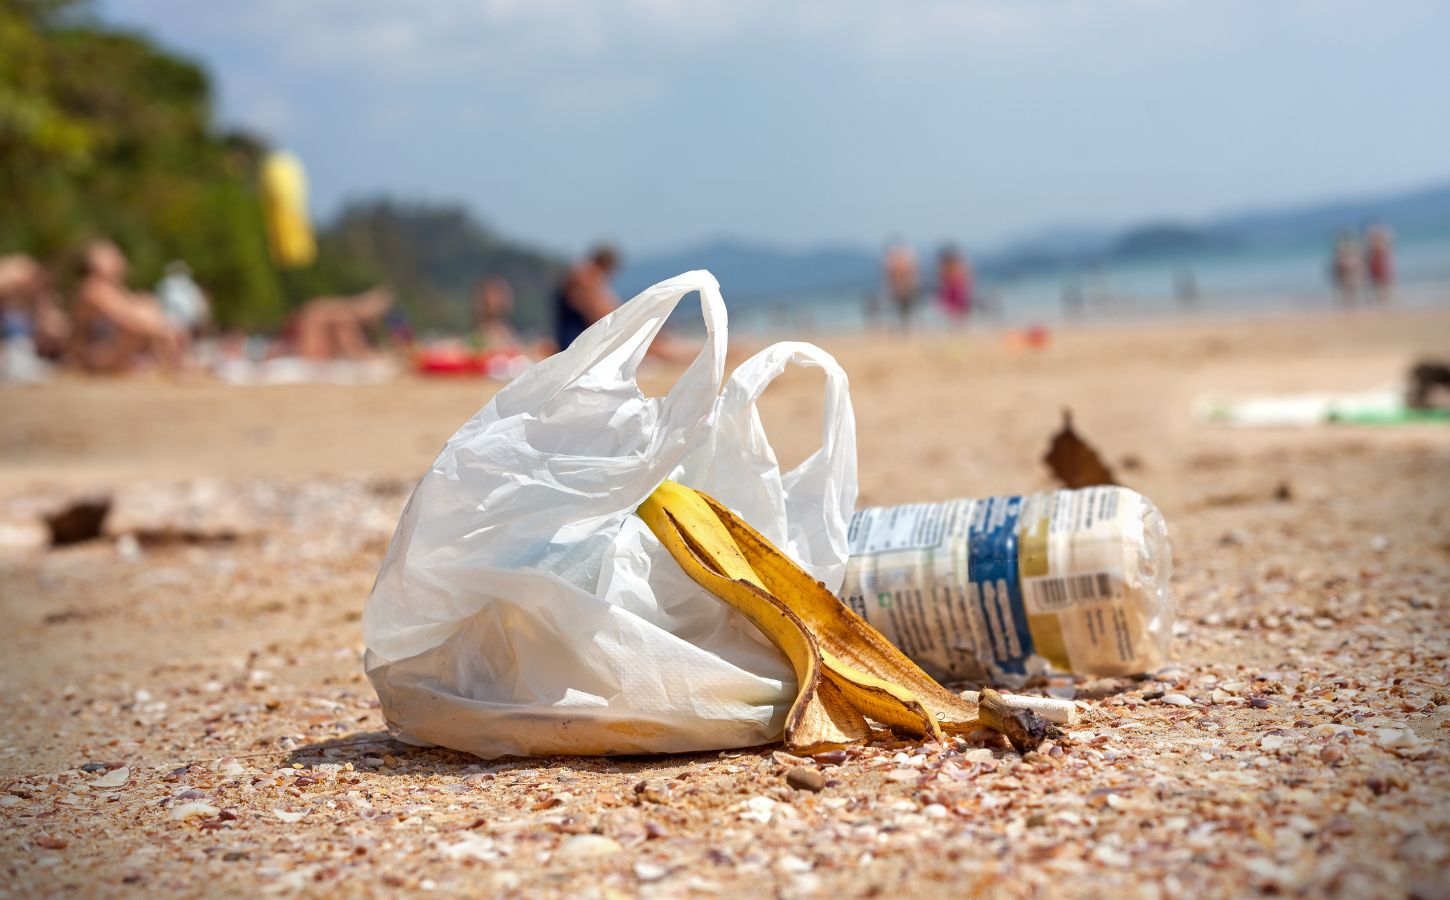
{"x": 1059, "y": 712}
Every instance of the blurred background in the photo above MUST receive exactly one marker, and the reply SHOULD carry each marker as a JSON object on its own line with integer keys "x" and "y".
{"x": 260, "y": 259}
{"x": 1116, "y": 159}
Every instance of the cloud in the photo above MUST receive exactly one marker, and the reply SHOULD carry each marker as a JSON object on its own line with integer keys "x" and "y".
{"x": 383, "y": 40}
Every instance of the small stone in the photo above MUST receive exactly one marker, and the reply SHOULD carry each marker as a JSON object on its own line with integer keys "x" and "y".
{"x": 1177, "y": 700}
{"x": 192, "y": 810}
{"x": 113, "y": 779}
{"x": 803, "y": 779}
{"x": 229, "y": 767}
{"x": 1260, "y": 702}
{"x": 981, "y": 754}
{"x": 1395, "y": 738}
{"x": 94, "y": 767}
{"x": 794, "y": 865}
{"x": 1271, "y": 742}
{"x": 648, "y": 871}
{"x": 831, "y": 757}
{"x": 289, "y": 816}
{"x": 584, "y": 846}
{"x": 1331, "y": 754}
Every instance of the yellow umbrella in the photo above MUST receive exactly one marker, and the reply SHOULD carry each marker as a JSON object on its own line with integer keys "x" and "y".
{"x": 284, "y": 207}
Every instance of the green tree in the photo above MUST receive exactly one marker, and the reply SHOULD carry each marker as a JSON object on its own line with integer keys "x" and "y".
{"x": 104, "y": 134}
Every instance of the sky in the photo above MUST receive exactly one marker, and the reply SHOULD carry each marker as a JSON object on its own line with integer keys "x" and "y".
{"x": 660, "y": 123}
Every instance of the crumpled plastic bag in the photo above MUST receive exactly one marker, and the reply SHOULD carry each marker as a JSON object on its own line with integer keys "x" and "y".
{"x": 522, "y": 607}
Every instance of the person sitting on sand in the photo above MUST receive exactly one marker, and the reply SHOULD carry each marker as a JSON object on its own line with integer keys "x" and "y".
{"x": 326, "y": 328}
{"x": 29, "y": 307}
{"x": 115, "y": 327}
{"x": 493, "y": 304}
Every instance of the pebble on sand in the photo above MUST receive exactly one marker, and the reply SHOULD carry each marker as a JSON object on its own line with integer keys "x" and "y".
{"x": 584, "y": 846}
{"x": 803, "y": 779}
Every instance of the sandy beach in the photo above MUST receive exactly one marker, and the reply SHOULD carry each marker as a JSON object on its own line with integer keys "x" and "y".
{"x": 185, "y": 710}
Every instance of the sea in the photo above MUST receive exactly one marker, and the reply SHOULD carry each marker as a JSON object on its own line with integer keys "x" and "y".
{"x": 1278, "y": 279}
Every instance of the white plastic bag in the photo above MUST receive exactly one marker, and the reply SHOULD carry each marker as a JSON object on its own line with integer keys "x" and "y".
{"x": 523, "y": 608}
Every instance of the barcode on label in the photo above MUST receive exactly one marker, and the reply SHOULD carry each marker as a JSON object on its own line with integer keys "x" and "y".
{"x": 1070, "y": 590}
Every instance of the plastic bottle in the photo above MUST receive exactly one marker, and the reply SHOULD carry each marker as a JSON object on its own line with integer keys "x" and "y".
{"x": 1070, "y": 581}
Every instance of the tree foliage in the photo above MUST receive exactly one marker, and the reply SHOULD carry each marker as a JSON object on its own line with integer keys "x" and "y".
{"x": 434, "y": 255}
{"x": 103, "y": 134}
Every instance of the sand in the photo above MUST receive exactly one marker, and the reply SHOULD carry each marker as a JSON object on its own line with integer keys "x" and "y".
{"x": 185, "y": 711}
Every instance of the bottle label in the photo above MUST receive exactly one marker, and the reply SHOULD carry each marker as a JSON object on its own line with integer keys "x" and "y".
{"x": 1000, "y": 582}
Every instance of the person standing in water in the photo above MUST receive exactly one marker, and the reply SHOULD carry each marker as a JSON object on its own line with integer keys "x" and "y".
{"x": 1344, "y": 269}
{"x": 954, "y": 284}
{"x": 1379, "y": 262}
{"x": 903, "y": 283}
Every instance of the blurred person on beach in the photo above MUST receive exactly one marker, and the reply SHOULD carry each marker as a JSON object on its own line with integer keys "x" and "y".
{"x": 1379, "y": 262}
{"x": 493, "y": 304}
{"x": 1344, "y": 269}
{"x": 584, "y": 295}
{"x": 329, "y": 328}
{"x": 954, "y": 284}
{"x": 29, "y": 307}
{"x": 182, "y": 299}
{"x": 902, "y": 280}
{"x": 117, "y": 328}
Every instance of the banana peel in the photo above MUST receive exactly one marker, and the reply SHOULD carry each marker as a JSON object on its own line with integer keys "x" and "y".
{"x": 846, "y": 670}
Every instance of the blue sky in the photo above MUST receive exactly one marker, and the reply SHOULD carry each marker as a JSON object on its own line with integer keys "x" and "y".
{"x": 661, "y": 122}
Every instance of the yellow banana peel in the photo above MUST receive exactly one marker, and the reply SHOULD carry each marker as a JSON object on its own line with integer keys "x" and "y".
{"x": 846, "y": 670}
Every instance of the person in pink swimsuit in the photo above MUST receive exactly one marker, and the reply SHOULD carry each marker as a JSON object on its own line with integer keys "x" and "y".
{"x": 954, "y": 284}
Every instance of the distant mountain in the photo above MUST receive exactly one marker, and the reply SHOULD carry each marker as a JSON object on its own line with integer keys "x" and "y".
{"x": 1164, "y": 238}
{"x": 756, "y": 271}
{"x": 435, "y": 255}
{"x": 1417, "y": 210}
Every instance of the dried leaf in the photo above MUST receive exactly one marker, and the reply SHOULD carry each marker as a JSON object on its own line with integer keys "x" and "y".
{"x": 1073, "y": 460}
{"x": 80, "y": 521}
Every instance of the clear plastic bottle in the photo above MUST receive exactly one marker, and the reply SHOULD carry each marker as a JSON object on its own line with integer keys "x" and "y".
{"x": 1070, "y": 581}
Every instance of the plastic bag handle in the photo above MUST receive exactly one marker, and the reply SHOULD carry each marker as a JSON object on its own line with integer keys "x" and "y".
{"x": 827, "y": 475}
{"x": 625, "y": 334}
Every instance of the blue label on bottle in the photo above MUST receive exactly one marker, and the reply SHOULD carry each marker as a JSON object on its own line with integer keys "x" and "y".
{"x": 994, "y": 585}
